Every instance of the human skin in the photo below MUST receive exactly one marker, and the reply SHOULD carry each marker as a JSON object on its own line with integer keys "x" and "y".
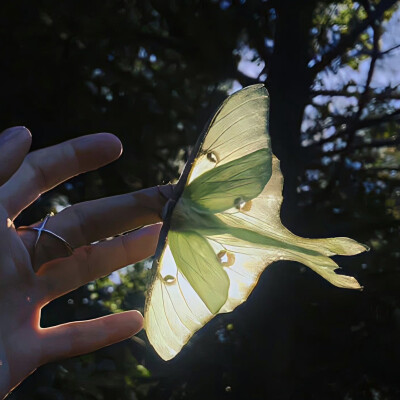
{"x": 31, "y": 278}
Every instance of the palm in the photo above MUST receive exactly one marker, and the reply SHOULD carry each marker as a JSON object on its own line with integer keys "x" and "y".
{"x": 18, "y": 319}
{"x": 27, "y": 283}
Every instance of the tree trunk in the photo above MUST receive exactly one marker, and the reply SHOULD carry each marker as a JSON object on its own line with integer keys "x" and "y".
{"x": 289, "y": 83}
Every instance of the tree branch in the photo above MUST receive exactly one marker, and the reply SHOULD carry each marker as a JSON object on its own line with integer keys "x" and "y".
{"x": 365, "y": 145}
{"x": 354, "y": 124}
{"x": 364, "y": 95}
{"x": 333, "y": 93}
{"x": 380, "y": 54}
{"x": 366, "y": 123}
{"x": 383, "y": 53}
{"x": 385, "y": 95}
{"x": 348, "y": 40}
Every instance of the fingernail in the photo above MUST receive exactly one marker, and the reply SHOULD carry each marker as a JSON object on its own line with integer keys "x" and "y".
{"x": 12, "y": 133}
{"x": 138, "y": 314}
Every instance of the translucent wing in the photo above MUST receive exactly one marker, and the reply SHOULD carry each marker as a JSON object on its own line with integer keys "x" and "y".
{"x": 196, "y": 261}
{"x": 224, "y": 228}
{"x": 244, "y": 245}
{"x": 244, "y": 178}
{"x": 234, "y": 157}
{"x": 252, "y": 216}
{"x": 174, "y": 310}
{"x": 238, "y": 128}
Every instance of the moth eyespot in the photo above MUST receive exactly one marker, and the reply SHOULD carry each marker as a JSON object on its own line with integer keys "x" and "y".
{"x": 247, "y": 206}
{"x": 169, "y": 279}
{"x": 242, "y": 205}
{"x": 212, "y": 157}
{"x": 226, "y": 258}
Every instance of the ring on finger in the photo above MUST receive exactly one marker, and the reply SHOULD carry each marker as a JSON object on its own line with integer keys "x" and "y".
{"x": 41, "y": 228}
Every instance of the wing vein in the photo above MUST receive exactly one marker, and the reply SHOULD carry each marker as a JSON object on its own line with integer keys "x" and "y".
{"x": 238, "y": 106}
{"x": 166, "y": 314}
{"x": 184, "y": 298}
{"x": 229, "y": 127}
{"x": 176, "y": 312}
{"x": 236, "y": 150}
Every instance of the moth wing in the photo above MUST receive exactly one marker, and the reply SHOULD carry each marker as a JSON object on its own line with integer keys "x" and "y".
{"x": 262, "y": 215}
{"x": 239, "y": 128}
{"x": 174, "y": 311}
{"x": 174, "y": 308}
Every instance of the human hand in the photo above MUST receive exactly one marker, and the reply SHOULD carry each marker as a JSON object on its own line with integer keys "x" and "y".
{"x": 26, "y": 288}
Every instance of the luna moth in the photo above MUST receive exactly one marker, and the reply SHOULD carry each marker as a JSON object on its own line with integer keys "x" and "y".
{"x": 222, "y": 227}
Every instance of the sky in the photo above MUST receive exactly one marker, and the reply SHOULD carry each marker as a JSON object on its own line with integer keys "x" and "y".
{"x": 387, "y": 69}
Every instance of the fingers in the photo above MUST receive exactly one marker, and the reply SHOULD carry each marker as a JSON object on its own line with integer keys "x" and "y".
{"x": 82, "y": 337}
{"x": 14, "y": 145}
{"x": 43, "y": 169}
{"x": 94, "y": 220}
{"x": 91, "y": 262}
{"x": 87, "y": 222}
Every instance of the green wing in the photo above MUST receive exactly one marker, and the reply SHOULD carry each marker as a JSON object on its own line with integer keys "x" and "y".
{"x": 196, "y": 260}
{"x": 238, "y": 180}
{"x": 226, "y": 229}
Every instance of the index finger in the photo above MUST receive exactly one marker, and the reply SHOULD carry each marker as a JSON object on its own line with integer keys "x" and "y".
{"x": 45, "y": 168}
{"x": 85, "y": 223}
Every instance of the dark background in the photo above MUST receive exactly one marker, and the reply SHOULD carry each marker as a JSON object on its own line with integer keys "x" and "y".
{"x": 152, "y": 72}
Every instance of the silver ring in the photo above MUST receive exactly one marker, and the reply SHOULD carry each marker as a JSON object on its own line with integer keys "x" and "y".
{"x": 41, "y": 228}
